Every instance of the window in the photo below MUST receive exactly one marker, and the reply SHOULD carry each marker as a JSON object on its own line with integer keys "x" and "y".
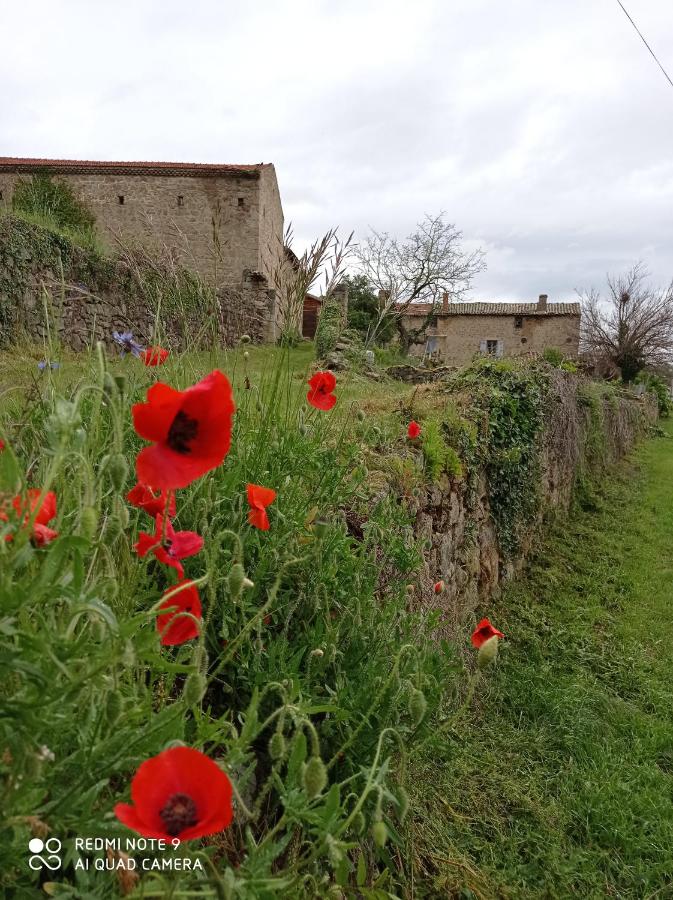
{"x": 518, "y": 322}
{"x": 181, "y": 200}
{"x": 433, "y": 322}
{"x": 492, "y": 347}
{"x": 432, "y": 345}
{"x": 120, "y": 198}
{"x": 241, "y": 201}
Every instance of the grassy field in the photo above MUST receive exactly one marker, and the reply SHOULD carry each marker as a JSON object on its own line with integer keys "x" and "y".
{"x": 560, "y": 781}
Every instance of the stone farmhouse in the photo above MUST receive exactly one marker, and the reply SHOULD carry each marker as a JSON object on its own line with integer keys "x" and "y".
{"x": 223, "y": 221}
{"x": 459, "y": 331}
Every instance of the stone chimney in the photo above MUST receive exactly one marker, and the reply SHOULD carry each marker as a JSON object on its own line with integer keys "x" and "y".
{"x": 445, "y": 302}
{"x": 542, "y": 303}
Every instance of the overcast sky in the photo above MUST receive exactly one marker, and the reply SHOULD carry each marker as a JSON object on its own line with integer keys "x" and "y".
{"x": 543, "y": 128}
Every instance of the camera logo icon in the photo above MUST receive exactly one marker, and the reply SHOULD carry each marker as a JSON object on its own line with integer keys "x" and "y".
{"x": 51, "y": 847}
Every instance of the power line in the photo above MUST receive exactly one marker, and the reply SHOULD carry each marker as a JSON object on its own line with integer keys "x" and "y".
{"x": 654, "y": 55}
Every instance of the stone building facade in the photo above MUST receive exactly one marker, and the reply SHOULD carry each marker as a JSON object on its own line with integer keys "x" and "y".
{"x": 460, "y": 331}
{"x": 223, "y": 221}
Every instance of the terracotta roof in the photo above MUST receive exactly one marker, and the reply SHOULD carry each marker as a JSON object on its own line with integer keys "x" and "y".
{"x": 106, "y": 167}
{"x": 494, "y": 309}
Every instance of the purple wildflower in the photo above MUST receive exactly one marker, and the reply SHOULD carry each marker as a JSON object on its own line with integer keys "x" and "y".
{"x": 127, "y": 343}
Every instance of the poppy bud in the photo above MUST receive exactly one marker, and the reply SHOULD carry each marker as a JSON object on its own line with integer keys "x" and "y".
{"x": 113, "y": 528}
{"x": 277, "y": 745}
{"x": 113, "y": 707}
{"x": 236, "y": 579}
{"x": 194, "y": 689}
{"x": 128, "y": 654}
{"x": 229, "y": 884}
{"x": 314, "y": 777}
{"x": 361, "y": 415}
{"x": 439, "y": 587}
{"x": 124, "y": 516}
{"x": 120, "y": 381}
{"x": 245, "y": 338}
{"x": 246, "y": 355}
{"x": 359, "y": 822}
{"x": 109, "y": 385}
{"x": 303, "y": 430}
{"x": 79, "y": 438}
{"x": 417, "y": 706}
{"x": 119, "y": 470}
{"x": 380, "y": 833}
{"x": 88, "y": 522}
{"x": 487, "y": 652}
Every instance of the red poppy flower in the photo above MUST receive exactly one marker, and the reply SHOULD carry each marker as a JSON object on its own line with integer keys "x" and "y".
{"x": 2, "y": 445}
{"x": 320, "y": 396}
{"x": 438, "y": 587}
{"x": 154, "y": 356}
{"x": 259, "y": 498}
{"x": 171, "y": 547}
{"x": 144, "y": 498}
{"x": 191, "y": 431}
{"x": 173, "y": 627}
{"x": 26, "y": 506}
{"x": 413, "y": 431}
{"x": 181, "y": 793}
{"x": 483, "y": 632}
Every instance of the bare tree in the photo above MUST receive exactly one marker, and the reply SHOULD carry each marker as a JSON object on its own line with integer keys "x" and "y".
{"x": 418, "y": 269}
{"x": 633, "y": 327}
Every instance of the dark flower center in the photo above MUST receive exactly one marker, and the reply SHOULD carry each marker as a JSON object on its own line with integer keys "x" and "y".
{"x": 179, "y": 813}
{"x": 183, "y": 430}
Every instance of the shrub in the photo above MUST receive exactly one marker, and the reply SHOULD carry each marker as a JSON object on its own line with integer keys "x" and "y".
{"x": 54, "y": 201}
{"x": 330, "y": 326}
{"x": 657, "y": 386}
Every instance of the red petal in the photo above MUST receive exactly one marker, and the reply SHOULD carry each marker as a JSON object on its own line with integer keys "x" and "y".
{"x": 154, "y": 356}
{"x": 186, "y": 543}
{"x": 153, "y": 419}
{"x": 323, "y": 381}
{"x": 170, "y": 470}
{"x": 173, "y": 627}
{"x": 320, "y": 400}
{"x": 43, "y": 535}
{"x": 260, "y": 497}
{"x": 259, "y": 519}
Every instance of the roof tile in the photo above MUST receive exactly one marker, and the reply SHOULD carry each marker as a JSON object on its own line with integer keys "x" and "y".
{"x": 494, "y": 308}
{"x": 108, "y": 167}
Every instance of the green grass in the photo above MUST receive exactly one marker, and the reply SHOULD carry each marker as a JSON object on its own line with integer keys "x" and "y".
{"x": 560, "y": 782}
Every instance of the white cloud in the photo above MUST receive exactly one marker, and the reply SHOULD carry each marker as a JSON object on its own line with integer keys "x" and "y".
{"x": 543, "y": 129}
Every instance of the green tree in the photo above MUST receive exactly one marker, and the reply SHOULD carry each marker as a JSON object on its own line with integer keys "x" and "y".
{"x": 364, "y": 308}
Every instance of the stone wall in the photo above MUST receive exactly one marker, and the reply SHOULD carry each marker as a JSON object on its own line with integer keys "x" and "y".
{"x": 48, "y": 285}
{"x": 457, "y": 524}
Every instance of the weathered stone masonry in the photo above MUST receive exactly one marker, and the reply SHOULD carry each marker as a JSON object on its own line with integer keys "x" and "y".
{"x": 464, "y": 550}
{"x": 224, "y": 222}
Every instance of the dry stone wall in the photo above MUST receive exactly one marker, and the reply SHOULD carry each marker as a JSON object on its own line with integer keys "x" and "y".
{"x": 49, "y": 286}
{"x": 455, "y": 520}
